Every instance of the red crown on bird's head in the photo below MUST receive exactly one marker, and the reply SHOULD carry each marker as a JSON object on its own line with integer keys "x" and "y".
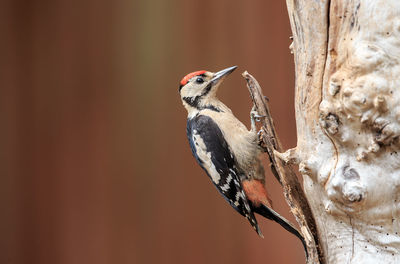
{"x": 189, "y": 76}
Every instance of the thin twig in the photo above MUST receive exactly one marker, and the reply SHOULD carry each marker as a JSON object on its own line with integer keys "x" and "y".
{"x": 293, "y": 191}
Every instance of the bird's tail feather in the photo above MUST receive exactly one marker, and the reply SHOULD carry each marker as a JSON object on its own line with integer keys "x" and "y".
{"x": 272, "y": 215}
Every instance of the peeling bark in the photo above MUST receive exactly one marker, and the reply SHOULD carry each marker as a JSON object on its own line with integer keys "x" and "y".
{"x": 347, "y": 57}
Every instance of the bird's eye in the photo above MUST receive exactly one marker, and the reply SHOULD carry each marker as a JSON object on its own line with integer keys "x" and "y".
{"x": 199, "y": 80}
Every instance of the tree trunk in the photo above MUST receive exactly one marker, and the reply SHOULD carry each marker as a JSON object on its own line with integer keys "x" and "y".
{"x": 347, "y": 57}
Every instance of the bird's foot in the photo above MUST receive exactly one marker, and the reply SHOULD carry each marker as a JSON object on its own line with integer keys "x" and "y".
{"x": 261, "y": 143}
{"x": 254, "y": 117}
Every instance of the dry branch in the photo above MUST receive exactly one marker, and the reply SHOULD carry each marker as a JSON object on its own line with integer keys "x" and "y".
{"x": 293, "y": 191}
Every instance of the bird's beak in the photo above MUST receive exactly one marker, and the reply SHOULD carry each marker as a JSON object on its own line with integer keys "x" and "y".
{"x": 221, "y": 74}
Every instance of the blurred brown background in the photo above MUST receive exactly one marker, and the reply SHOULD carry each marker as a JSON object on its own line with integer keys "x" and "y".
{"x": 94, "y": 162}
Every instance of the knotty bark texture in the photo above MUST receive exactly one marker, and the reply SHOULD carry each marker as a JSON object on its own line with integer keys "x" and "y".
{"x": 347, "y": 63}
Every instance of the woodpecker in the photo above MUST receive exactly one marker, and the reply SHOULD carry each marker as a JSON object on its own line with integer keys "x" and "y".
{"x": 226, "y": 150}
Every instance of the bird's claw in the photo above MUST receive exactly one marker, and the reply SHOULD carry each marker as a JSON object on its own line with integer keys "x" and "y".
{"x": 258, "y": 117}
{"x": 254, "y": 114}
{"x": 260, "y": 135}
{"x": 255, "y": 117}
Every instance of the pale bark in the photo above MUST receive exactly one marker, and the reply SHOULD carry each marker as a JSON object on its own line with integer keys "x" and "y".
{"x": 347, "y": 56}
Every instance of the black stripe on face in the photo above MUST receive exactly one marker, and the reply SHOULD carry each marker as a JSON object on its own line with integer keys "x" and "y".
{"x": 212, "y": 108}
{"x": 194, "y": 102}
{"x": 207, "y": 89}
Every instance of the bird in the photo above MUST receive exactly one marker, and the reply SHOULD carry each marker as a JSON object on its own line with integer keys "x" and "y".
{"x": 226, "y": 150}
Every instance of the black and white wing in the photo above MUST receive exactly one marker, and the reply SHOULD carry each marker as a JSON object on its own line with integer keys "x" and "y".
{"x": 212, "y": 152}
